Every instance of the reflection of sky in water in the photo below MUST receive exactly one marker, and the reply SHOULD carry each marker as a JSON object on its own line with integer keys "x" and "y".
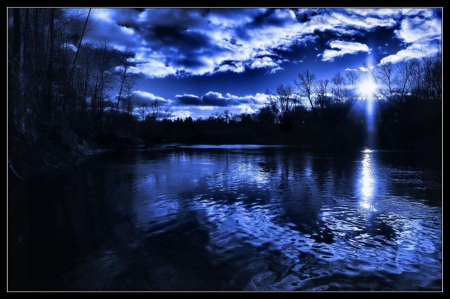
{"x": 255, "y": 200}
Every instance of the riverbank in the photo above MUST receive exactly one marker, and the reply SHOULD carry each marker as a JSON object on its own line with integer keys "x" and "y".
{"x": 48, "y": 149}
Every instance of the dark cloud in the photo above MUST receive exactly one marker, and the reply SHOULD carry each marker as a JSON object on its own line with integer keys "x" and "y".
{"x": 189, "y": 100}
{"x": 167, "y": 33}
{"x": 126, "y": 17}
{"x": 216, "y": 99}
{"x": 189, "y": 62}
{"x": 266, "y": 17}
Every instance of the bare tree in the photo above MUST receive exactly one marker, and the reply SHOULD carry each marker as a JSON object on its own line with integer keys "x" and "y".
{"x": 143, "y": 110}
{"x": 322, "y": 94}
{"x": 338, "y": 89}
{"x": 351, "y": 79}
{"x": 432, "y": 79}
{"x": 83, "y": 32}
{"x": 127, "y": 105}
{"x": 166, "y": 113}
{"x": 404, "y": 78}
{"x": 123, "y": 77}
{"x": 384, "y": 76}
{"x": 104, "y": 63}
{"x": 305, "y": 86}
{"x": 154, "y": 111}
{"x": 283, "y": 100}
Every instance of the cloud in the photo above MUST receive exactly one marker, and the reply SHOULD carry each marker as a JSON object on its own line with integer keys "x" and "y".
{"x": 246, "y": 109}
{"x": 199, "y": 41}
{"x": 263, "y": 62}
{"x": 420, "y": 30}
{"x": 414, "y": 51}
{"x": 232, "y": 66}
{"x": 152, "y": 67}
{"x": 182, "y": 114}
{"x": 216, "y": 99}
{"x": 142, "y": 97}
{"x": 188, "y": 99}
{"x": 343, "y": 49}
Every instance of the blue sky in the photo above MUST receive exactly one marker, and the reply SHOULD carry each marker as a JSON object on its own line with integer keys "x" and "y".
{"x": 204, "y": 60}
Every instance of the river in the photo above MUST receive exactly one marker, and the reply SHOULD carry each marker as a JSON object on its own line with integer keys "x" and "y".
{"x": 230, "y": 218}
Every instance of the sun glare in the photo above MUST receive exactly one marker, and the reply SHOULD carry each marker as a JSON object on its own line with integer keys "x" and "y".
{"x": 367, "y": 88}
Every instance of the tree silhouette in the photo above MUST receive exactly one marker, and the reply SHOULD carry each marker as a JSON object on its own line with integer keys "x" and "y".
{"x": 305, "y": 85}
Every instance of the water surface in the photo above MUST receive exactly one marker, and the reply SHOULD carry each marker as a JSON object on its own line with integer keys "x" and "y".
{"x": 231, "y": 218}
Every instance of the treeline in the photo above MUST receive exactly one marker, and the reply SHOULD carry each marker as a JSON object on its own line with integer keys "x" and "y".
{"x": 392, "y": 106}
{"x": 58, "y": 84}
{"x": 53, "y": 77}
{"x": 411, "y": 125}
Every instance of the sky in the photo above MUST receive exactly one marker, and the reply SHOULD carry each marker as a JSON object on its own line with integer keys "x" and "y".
{"x": 199, "y": 61}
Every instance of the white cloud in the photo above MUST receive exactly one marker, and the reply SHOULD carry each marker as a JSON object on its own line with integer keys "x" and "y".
{"x": 263, "y": 62}
{"x": 128, "y": 31}
{"x": 261, "y": 98}
{"x": 418, "y": 30}
{"x": 144, "y": 97}
{"x": 414, "y": 51}
{"x": 182, "y": 114}
{"x": 103, "y": 14}
{"x": 343, "y": 49}
{"x": 246, "y": 109}
{"x": 152, "y": 67}
{"x": 236, "y": 68}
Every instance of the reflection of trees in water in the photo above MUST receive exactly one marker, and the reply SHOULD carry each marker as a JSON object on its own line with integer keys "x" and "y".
{"x": 309, "y": 182}
{"x": 299, "y": 191}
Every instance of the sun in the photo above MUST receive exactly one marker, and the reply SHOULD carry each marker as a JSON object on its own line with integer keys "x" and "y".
{"x": 367, "y": 88}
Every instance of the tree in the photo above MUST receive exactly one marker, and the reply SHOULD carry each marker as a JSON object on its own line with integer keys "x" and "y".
{"x": 283, "y": 100}
{"x": 125, "y": 79}
{"x": 322, "y": 94}
{"x": 265, "y": 115}
{"x": 338, "y": 89}
{"x": 104, "y": 63}
{"x": 351, "y": 79}
{"x": 16, "y": 107}
{"x": 143, "y": 111}
{"x": 404, "y": 79}
{"x": 384, "y": 77}
{"x": 305, "y": 86}
{"x": 432, "y": 75}
{"x": 83, "y": 32}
